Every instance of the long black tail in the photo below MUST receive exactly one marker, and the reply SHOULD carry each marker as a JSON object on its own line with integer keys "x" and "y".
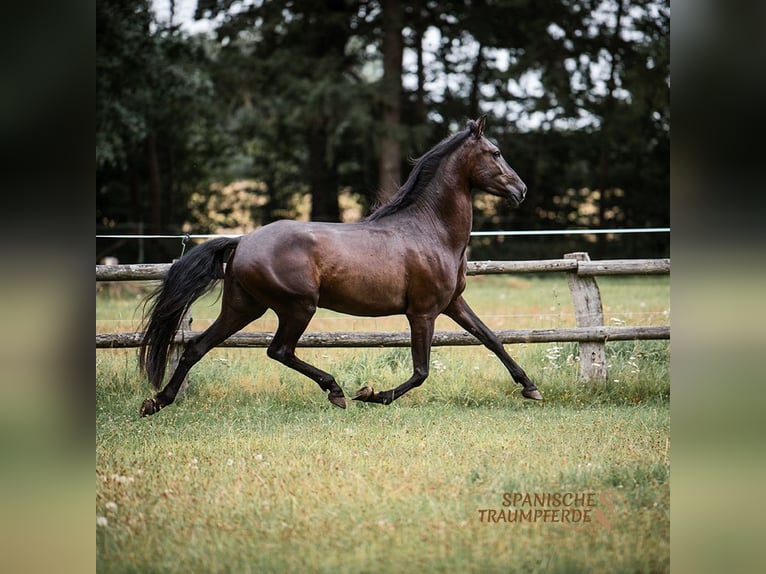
{"x": 187, "y": 280}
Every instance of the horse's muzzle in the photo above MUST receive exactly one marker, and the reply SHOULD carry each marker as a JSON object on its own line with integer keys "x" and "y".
{"x": 517, "y": 194}
{"x": 514, "y": 194}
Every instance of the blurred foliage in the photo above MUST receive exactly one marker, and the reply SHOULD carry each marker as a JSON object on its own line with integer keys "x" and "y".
{"x": 287, "y": 97}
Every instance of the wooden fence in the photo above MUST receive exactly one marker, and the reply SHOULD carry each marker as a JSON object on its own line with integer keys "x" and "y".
{"x": 590, "y": 333}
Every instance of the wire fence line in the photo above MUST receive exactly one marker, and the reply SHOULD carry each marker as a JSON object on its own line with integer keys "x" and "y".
{"x": 528, "y": 232}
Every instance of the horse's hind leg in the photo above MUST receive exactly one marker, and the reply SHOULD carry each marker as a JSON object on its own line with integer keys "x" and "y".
{"x": 292, "y": 324}
{"x": 421, "y": 334}
{"x": 463, "y": 315}
{"x": 230, "y": 320}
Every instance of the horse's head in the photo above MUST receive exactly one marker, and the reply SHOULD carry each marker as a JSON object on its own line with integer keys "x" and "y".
{"x": 488, "y": 169}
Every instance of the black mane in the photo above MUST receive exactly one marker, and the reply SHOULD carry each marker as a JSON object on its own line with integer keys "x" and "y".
{"x": 422, "y": 173}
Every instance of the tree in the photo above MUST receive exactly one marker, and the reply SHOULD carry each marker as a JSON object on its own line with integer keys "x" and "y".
{"x": 314, "y": 97}
{"x": 580, "y": 93}
{"x": 390, "y": 94}
{"x": 304, "y": 65}
{"x": 154, "y": 120}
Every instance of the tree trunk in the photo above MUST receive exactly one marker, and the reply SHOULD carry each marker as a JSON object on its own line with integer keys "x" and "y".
{"x": 420, "y": 94}
{"x": 391, "y": 89}
{"x": 328, "y": 45}
{"x": 155, "y": 184}
{"x": 473, "y": 100}
{"x": 136, "y": 213}
{"x": 322, "y": 176}
{"x": 272, "y": 207}
{"x": 604, "y": 177}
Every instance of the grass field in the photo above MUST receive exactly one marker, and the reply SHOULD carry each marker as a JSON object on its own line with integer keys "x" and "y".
{"x": 254, "y": 471}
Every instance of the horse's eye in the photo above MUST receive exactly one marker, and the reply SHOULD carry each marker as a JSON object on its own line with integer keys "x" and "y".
{"x": 496, "y": 154}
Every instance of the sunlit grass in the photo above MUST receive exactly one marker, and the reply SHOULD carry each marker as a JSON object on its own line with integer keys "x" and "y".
{"x": 283, "y": 482}
{"x": 503, "y": 302}
{"x": 254, "y": 471}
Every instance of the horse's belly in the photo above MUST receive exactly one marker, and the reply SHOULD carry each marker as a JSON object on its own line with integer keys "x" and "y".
{"x": 364, "y": 295}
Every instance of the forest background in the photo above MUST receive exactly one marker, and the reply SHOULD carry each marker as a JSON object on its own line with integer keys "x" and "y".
{"x": 219, "y": 116}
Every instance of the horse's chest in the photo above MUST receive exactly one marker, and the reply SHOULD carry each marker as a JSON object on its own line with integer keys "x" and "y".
{"x": 434, "y": 285}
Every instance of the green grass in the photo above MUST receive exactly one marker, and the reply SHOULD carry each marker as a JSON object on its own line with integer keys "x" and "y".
{"x": 254, "y": 471}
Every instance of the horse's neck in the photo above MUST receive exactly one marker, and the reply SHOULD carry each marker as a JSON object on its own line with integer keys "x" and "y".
{"x": 453, "y": 206}
{"x": 444, "y": 210}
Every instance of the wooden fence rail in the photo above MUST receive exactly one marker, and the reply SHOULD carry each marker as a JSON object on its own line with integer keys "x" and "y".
{"x": 441, "y": 338}
{"x": 590, "y": 333}
{"x": 150, "y": 271}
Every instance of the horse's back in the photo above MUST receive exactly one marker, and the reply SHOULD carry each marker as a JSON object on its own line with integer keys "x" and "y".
{"x": 358, "y": 269}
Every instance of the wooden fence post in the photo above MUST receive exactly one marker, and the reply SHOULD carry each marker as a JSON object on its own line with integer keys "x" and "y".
{"x": 589, "y": 312}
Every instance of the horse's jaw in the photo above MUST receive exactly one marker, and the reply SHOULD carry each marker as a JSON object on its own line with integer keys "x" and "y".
{"x": 512, "y": 195}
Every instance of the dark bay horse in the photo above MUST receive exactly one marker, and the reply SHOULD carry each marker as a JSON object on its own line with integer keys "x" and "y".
{"x": 408, "y": 257}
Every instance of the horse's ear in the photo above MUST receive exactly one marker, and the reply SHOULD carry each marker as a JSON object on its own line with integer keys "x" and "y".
{"x": 480, "y": 123}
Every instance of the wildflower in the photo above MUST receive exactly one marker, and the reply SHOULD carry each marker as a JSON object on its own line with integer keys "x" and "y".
{"x": 101, "y": 521}
{"x": 111, "y": 505}
{"x": 120, "y": 479}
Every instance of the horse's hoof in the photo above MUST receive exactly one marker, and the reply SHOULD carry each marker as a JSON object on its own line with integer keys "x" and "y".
{"x": 534, "y": 394}
{"x": 338, "y": 401}
{"x": 363, "y": 394}
{"x": 149, "y": 407}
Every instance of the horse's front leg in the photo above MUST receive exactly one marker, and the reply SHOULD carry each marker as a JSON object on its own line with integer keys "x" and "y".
{"x": 422, "y": 332}
{"x": 463, "y": 315}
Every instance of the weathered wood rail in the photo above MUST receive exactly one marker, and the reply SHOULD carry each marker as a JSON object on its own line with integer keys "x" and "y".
{"x": 156, "y": 271}
{"x": 590, "y": 333}
{"x": 441, "y": 338}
